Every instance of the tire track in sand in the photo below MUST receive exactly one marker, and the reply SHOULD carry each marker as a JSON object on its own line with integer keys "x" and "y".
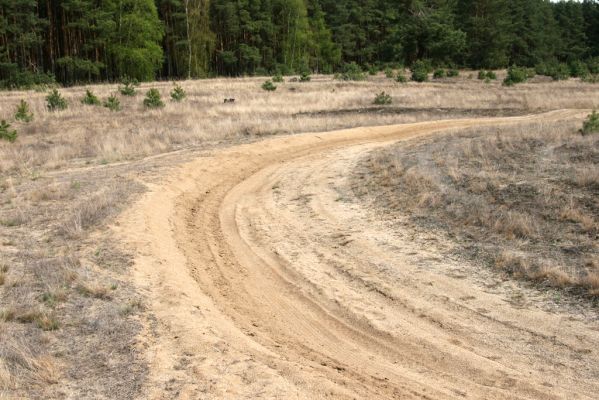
{"x": 263, "y": 285}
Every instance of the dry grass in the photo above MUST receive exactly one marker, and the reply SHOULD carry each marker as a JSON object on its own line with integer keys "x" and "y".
{"x": 87, "y": 134}
{"x": 65, "y": 304}
{"x": 522, "y": 198}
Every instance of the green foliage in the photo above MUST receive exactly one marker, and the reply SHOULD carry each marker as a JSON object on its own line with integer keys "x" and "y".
{"x": 12, "y": 78}
{"x": 591, "y": 124}
{"x": 113, "y": 103}
{"x": 578, "y": 69}
{"x": 6, "y": 133}
{"x": 401, "y": 78}
{"x": 591, "y": 78}
{"x": 420, "y": 71}
{"x": 90, "y": 98}
{"x": 153, "y": 99}
{"x": 305, "y": 77}
{"x": 558, "y": 71}
{"x": 593, "y": 64}
{"x": 389, "y": 73}
{"x": 128, "y": 85}
{"x": 278, "y": 78}
{"x": 491, "y": 75}
{"x": 516, "y": 75}
{"x": 453, "y": 73}
{"x": 439, "y": 73}
{"x": 178, "y": 93}
{"x": 352, "y": 72}
{"x": 55, "y": 101}
{"x": 383, "y": 99}
{"x": 372, "y": 70}
{"x": 269, "y": 86}
{"x": 482, "y": 74}
{"x": 23, "y": 113}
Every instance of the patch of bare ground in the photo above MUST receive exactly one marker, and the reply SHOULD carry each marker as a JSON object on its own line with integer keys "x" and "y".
{"x": 520, "y": 199}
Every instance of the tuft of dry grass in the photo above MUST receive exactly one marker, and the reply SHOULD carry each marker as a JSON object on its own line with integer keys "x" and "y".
{"x": 521, "y": 198}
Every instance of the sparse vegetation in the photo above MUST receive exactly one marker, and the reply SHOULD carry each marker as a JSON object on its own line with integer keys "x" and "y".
{"x": 6, "y": 133}
{"x": 453, "y": 73}
{"x": 178, "y": 94}
{"x": 401, "y": 78}
{"x": 389, "y": 73}
{"x": 23, "y": 113}
{"x": 278, "y": 78}
{"x": 503, "y": 196}
{"x": 591, "y": 124}
{"x": 55, "y": 101}
{"x": 269, "y": 86}
{"x": 90, "y": 98}
{"x": 383, "y": 99}
{"x": 113, "y": 103}
{"x": 153, "y": 99}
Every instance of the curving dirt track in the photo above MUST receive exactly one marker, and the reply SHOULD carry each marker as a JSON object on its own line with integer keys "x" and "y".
{"x": 264, "y": 283}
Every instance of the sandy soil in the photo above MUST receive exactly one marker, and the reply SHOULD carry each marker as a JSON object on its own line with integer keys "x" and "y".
{"x": 264, "y": 281}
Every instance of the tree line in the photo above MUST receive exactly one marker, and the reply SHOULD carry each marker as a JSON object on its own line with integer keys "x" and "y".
{"x": 76, "y": 41}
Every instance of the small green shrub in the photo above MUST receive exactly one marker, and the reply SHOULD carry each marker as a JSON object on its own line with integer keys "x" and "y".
{"x": 383, "y": 99}
{"x": 491, "y": 75}
{"x": 90, "y": 99}
{"x": 439, "y": 74}
{"x": 578, "y": 69}
{"x": 6, "y": 133}
{"x": 23, "y": 113}
{"x": 55, "y": 101}
{"x": 278, "y": 78}
{"x": 128, "y": 85}
{"x": 453, "y": 73}
{"x": 372, "y": 70}
{"x": 591, "y": 78}
{"x": 305, "y": 77}
{"x": 112, "y": 103}
{"x": 515, "y": 75}
{"x": 591, "y": 124}
{"x": 420, "y": 71}
{"x": 482, "y": 74}
{"x": 269, "y": 86}
{"x": 389, "y": 73}
{"x": 153, "y": 99}
{"x": 352, "y": 72}
{"x": 178, "y": 94}
{"x": 401, "y": 78}
{"x": 593, "y": 65}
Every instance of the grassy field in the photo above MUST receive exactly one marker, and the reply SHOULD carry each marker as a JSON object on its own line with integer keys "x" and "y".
{"x": 69, "y": 317}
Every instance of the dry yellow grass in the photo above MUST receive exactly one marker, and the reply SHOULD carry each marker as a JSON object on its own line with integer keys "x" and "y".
{"x": 85, "y": 133}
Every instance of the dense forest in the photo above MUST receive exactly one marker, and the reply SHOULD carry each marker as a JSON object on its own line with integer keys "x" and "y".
{"x": 75, "y": 41}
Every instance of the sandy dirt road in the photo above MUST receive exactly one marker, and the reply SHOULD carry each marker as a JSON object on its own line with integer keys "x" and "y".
{"x": 263, "y": 281}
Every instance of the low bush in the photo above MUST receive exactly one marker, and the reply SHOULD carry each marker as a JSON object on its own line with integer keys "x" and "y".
{"x": 12, "y": 78}
{"x": 482, "y": 74}
{"x": 420, "y": 71}
{"x": 113, "y": 103}
{"x": 439, "y": 74}
{"x": 453, "y": 73}
{"x": 55, "y": 101}
{"x": 23, "y": 113}
{"x": 372, "y": 70}
{"x": 491, "y": 75}
{"x": 382, "y": 99}
{"x": 389, "y": 73}
{"x": 153, "y": 99}
{"x": 278, "y": 78}
{"x": 516, "y": 75}
{"x": 591, "y": 124}
{"x": 6, "y": 133}
{"x": 578, "y": 69}
{"x": 90, "y": 99}
{"x": 269, "y": 86}
{"x": 127, "y": 87}
{"x": 401, "y": 78}
{"x": 593, "y": 65}
{"x": 352, "y": 72}
{"x": 178, "y": 94}
{"x": 305, "y": 77}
